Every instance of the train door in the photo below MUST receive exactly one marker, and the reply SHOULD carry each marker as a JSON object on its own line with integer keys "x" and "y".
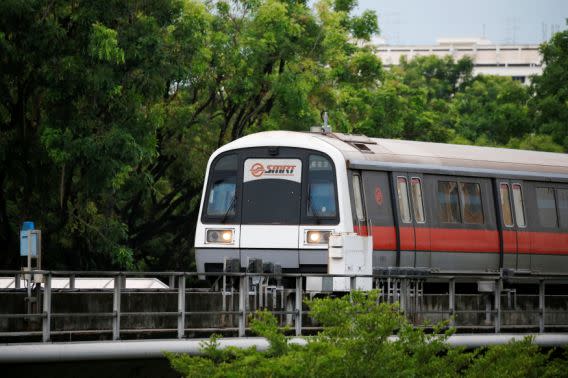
{"x": 516, "y": 239}
{"x": 413, "y": 233}
{"x": 380, "y": 221}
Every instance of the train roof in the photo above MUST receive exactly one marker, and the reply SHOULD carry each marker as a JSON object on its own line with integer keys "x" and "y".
{"x": 362, "y": 152}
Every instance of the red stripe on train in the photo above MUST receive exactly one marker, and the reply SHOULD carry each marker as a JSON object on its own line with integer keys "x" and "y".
{"x": 449, "y": 240}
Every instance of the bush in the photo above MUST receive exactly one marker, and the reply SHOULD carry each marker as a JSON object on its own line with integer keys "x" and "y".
{"x": 356, "y": 342}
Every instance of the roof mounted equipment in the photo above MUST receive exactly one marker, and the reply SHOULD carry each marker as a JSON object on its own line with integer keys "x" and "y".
{"x": 324, "y": 129}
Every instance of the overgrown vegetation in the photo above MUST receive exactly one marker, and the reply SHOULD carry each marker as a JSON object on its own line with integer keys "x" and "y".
{"x": 109, "y": 110}
{"x": 355, "y": 343}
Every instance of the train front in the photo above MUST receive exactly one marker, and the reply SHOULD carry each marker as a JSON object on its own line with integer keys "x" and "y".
{"x": 272, "y": 197}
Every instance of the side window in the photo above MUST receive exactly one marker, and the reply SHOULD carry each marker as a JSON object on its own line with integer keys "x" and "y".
{"x": 546, "y": 205}
{"x": 563, "y": 207}
{"x": 472, "y": 209}
{"x": 417, "y": 201}
{"x": 358, "y": 201}
{"x": 403, "y": 204}
{"x": 448, "y": 202}
{"x": 221, "y": 201}
{"x": 519, "y": 204}
{"x": 506, "y": 205}
{"x": 321, "y": 188}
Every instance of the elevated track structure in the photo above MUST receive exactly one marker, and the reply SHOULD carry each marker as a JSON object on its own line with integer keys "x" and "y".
{"x": 177, "y": 307}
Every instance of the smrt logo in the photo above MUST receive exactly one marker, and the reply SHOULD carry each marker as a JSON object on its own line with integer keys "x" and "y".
{"x": 258, "y": 170}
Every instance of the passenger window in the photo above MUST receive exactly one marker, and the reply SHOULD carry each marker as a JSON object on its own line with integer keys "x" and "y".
{"x": 506, "y": 205}
{"x": 546, "y": 204}
{"x": 563, "y": 207}
{"x": 221, "y": 201}
{"x": 471, "y": 203}
{"x": 357, "y": 199}
{"x": 519, "y": 205}
{"x": 321, "y": 188}
{"x": 403, "y": 204}
{"x": 417, "y": 201}
{"x": 448, "y": 202}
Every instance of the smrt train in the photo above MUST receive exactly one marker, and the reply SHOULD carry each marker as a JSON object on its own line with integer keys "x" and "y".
{"x": 276, "y": 196}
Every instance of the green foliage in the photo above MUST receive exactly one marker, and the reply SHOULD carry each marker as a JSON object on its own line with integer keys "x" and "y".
{"x": 109, "y": 110}
{"x": 550, "y": 105}
{"x": 356, "y": 341}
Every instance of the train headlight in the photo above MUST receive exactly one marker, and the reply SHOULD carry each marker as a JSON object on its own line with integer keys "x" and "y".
{"x": 220, "y": 236}
{"x": 317, "y": 237}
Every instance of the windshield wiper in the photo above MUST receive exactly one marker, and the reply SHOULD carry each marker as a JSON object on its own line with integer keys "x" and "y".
{"x": 231, "y": 207}
{"x": 311, "y": 208}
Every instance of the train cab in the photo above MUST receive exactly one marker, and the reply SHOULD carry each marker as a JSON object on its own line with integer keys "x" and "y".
{"x": 274, "y": 197}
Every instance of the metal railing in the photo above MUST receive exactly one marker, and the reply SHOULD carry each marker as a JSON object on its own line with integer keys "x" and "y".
{"x": 404, "y": 289}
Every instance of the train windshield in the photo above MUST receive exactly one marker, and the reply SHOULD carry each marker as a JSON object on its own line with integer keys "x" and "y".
{"x": 262, "y": 186}
{"x": 272, "y": 191}
{"x": 221, "y": 200}
{"x": 321, "y": 188}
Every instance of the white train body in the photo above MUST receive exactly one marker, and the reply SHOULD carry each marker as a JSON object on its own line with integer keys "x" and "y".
{"x": 279, "y": 243}
{"x": 277, "y": 196}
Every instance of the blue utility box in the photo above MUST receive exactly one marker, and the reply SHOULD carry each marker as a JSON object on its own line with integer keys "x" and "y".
{"x": 29, "y": 238}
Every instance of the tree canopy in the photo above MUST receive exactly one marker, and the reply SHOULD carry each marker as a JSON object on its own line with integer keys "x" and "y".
{"x": 109, "y": 110}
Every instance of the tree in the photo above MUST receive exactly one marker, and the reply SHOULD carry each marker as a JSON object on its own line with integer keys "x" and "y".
{"x": 110, "y": 110}
{"x": 493, "y": 109}
{"x": 550, "y": 104}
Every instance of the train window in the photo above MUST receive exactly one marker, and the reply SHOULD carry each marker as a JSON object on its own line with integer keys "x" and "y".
{"x": 563, "y": 207}
{"x": 448, "y": 202}
{"x": 403, "y": 204}
{"x": 472, "y": 209}
{"x": 221, "y": 201}
{"x": 357, "y": 198}
{"x": 417, "y": 202}
{"x": 506, "y": 205}
{"x": 546, "y": 204}
{"x": 519, "y": 205}
{"x": 321, "y": 188}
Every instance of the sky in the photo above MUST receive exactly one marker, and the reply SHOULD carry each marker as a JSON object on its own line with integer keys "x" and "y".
{"x": 409, "y": 22}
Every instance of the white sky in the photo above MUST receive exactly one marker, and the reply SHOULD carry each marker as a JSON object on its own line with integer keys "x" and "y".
{"x": 501, "y": 21}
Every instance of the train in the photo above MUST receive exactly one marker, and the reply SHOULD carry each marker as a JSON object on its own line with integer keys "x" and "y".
{"x": 277, "y": 196}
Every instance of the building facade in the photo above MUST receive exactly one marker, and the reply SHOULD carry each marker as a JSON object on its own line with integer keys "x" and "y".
{"x": 519, "y": 62}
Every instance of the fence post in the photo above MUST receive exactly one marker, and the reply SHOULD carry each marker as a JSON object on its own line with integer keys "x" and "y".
{"x": 452, "y": 300}
{"x": 298, "y": 302}
{"x": 498, "y": 305}
{"x": 541, "y": 305}
{"x": 116, "y": 307}
{"x": 243, "y": 297}
{"x": 181, "y": 307}
{"x": 46, "y": 323}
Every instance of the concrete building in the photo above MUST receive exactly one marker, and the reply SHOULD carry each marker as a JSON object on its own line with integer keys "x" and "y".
{"x": 517, "y": 61}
